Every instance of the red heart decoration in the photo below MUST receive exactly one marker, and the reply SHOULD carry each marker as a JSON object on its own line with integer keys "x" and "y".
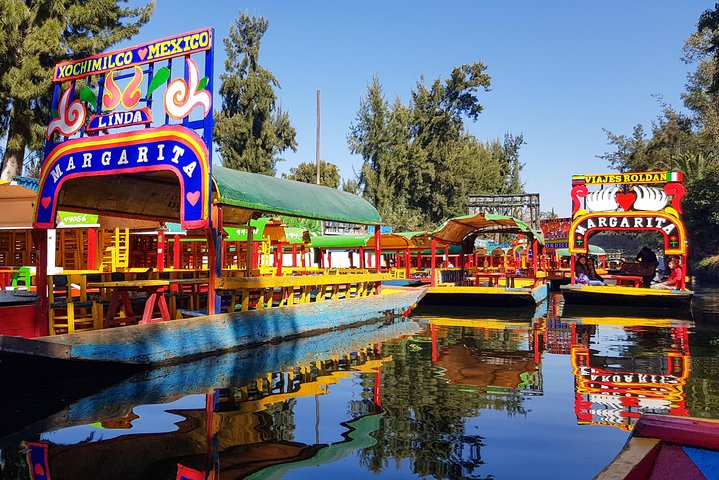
{"x": 142, "y": 53}
{"x": 626, "y": 200}
{"x": 45, "y": 201}
{"x": 193, "y": 197}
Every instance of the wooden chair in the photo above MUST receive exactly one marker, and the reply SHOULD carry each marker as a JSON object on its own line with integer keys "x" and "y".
{"x": 67, "y": 314}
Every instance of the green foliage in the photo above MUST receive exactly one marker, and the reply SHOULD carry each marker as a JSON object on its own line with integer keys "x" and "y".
{"x": 251, "y": 130}
{"x": 307, "y": 172}
{"x": 37, "y": 34}
{"x": 686, "y": 143}
{"x": 420, "y": 164}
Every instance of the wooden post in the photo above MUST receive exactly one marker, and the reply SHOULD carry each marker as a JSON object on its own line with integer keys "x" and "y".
{"x": 407, "y": 269}
{"x": 377, "y": 248}
{"x": 419, "y": 259}
{"x": 329, "y": 259}
{"x": 571, "y": 266}
{"x": 176, "y": 253}
{"x": 294, "y": 255}
{"x": 303, "y": 259}
{"x": 250, "y": 260}
{"x": 160, "y": 251}
{"x": 361, "y": 259}
{"x": 41, "y": 327}
{"x": 535, "y": 256}
{"x": 433, "y": 261}
{"x": 92, "y": 249}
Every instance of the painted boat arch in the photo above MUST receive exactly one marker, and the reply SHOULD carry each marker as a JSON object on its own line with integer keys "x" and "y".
{"x": 173, "y": 149}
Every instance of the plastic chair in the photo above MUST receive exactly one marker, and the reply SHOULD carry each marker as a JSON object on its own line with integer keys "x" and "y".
{"x": 22, "y": 274}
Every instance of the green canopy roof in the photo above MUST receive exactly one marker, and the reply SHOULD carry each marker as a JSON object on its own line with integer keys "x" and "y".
{"x": 388, "y": 241}
{"x": 456, "y": 229}
{"x": 593, "y": 250}
{"x": 252, "y": 193}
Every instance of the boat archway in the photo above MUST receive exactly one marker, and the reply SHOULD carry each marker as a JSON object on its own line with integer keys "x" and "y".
{"x": 112, "y": 164}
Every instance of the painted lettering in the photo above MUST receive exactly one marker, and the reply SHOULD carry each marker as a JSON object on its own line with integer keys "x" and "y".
{"x": 624, "y": 223}
{"x": 105, "y": 158}
{"x": 638, "y": 222}
{"x": 178, "y": 152}
{"x": 56, "y": 173}
{"x": 142, "y": 155}
{"x": 123, "y": 158}
{"x": 87, "y": 160}
{"x": 70, "y": 165}
{"x": 160, "y": 150}
{"x": 188, "y": 169}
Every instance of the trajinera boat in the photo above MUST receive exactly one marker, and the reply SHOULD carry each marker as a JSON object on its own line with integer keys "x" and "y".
{"x": 629, "y": 202}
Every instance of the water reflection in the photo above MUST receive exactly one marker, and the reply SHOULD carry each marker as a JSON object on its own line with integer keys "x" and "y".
{"x": 447, "y": 394}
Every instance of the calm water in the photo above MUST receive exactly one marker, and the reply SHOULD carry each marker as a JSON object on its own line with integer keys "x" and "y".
{"x": 446, "y": 394}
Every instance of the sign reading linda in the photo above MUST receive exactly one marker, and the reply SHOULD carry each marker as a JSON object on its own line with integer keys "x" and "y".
{"x": 184, "y": 44}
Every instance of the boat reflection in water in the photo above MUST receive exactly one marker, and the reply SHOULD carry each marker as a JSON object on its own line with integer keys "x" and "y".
{"x": 626, "y": 367}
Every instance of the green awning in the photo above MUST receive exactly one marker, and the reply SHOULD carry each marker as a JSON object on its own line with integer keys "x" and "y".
{"x": 388, "y": 242}
{"x": 456, "y": 229}
{"x": 253, "y": 193}
{"x": 593, "y": 250}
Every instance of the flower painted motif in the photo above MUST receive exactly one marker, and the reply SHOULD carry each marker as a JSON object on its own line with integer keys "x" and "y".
{"x": 71, "y": 116}
{"x": 182, "y": 97}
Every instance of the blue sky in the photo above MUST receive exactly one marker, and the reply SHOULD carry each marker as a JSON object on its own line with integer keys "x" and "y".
{"x": 561, "y": 71}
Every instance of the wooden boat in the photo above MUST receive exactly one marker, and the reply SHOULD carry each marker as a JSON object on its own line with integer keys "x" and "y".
{"x": 163, "y": 172}
{"x": 628, "y": 202}
{"x": 663, "y": 446}
{"x": 474, "y": 285}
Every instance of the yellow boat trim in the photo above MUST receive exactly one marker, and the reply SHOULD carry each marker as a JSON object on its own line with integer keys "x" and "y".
{"x": 490, "y": 323}
{"x": 478, "y": 290}
{"x": 628, "y": 291}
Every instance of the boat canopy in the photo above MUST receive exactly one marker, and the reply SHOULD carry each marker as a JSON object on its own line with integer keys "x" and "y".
{"x": 252, "y": 193}
{"x": 388, "y": 241}
{"x": 456, "y": 230}
{"x": 593, "y": 250}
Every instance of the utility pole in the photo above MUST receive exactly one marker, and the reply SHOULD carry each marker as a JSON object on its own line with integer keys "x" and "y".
{"x": 317, "y": 149}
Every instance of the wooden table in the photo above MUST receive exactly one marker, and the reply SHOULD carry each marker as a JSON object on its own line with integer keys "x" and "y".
{"x": 155, "y": 290}
{"x": 627, "y": 280}
{"x": 493, "y": 278}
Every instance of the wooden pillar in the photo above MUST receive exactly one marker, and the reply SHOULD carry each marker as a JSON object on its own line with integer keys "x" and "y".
{"x": 329, "y": 259}
{"x": 303, "y": 259}
{"x": 176, "y": 252}
{"x": 407, "y": 269}
{"x": 433, "y": 261}
{"x": 294, "y": 255}
{"x": 361, "y": 259}
{"x": 535, "y": 257}
{"x": 250, "y": 260}
{"x": 160, "y": 251}
{"x": 41, "y": 325}
{"x": 572, "y": 264}
{"x": 92, "y": 248}
{"x": 279, "y": 257}
{"x": 419, "y": 259}
{"x": 377, "y": 248}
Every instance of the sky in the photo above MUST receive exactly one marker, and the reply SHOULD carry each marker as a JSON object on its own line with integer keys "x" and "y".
{"x": 562, "y": 71}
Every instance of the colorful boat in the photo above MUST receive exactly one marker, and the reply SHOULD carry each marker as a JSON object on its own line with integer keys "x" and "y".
{"x": 517, "y": 283}
{"x": 663, "y": 446}
{"x": 629, "y": 202}
{"x": 162, "y": 171}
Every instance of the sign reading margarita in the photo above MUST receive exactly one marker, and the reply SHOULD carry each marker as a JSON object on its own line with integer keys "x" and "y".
{"x": 184, "y": 44}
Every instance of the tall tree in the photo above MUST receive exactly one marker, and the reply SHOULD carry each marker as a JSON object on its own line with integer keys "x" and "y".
{"x": 251, "y": 130}
{"x": 37, "y": 34}
{"x": 307, "y": 172}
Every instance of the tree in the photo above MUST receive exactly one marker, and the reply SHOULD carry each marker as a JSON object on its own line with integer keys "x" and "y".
{"x": 420, "y": 163}
{"x": 37, "y": 34}
{"x": 307, "y": 172}
{"x": 251, "y": 130}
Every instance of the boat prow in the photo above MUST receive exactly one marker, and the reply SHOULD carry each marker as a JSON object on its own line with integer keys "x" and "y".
{"x": 612, "y": 295}
{"x": 663, "y": 446}
{"x": 486, "y": 296}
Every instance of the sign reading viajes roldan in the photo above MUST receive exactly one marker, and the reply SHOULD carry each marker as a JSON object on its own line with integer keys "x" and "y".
{"x": 143, "y": 109}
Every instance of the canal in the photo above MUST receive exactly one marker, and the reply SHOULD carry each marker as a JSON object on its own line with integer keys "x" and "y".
{"x": 444, "y": 394}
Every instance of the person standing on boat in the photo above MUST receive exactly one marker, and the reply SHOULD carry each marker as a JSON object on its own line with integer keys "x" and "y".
{"x": 649, "y": 262}
{"x": 675, "y": 277}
